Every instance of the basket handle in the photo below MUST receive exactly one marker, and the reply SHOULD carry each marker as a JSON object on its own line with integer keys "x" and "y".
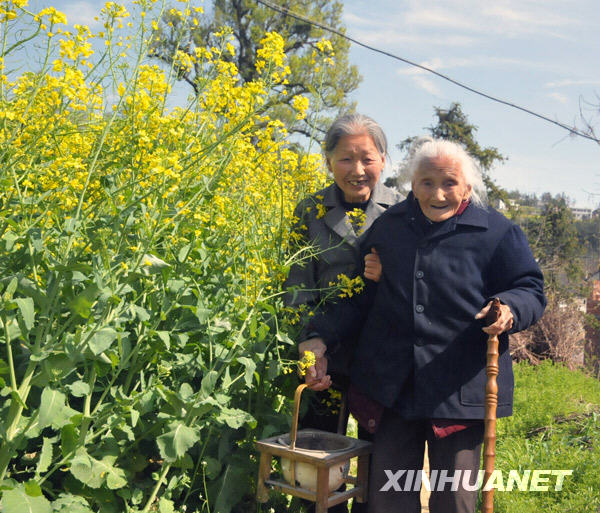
{"x": 294, "y": 430}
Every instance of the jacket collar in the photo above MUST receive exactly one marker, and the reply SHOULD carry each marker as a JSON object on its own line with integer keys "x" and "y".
{"x": 337, "y": 220}
{"x": 380, "y": 195}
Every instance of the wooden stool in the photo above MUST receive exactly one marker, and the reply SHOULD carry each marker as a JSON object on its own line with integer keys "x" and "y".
{"x": 300, "y": 448}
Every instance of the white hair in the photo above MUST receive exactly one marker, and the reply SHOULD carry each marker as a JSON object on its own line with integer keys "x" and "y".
{"x": 435, "y": 148}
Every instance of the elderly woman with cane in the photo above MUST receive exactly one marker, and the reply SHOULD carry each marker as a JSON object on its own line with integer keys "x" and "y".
{"x": 419, "y": 363}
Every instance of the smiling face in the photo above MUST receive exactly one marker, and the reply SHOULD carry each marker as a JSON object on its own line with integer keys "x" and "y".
{"x": 439, "y": 186}
{"x": 356, "y": 165}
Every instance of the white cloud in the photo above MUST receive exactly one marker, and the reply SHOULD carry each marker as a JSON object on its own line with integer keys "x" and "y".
{"x": 528, "y": 19}
{"x": 394, "y": 37}
{"x": 82, "y": 13}
{"x": 462, "y": 20}
{"x": 427, "y": 85}
{"x": 561, "y": 98}
{"x": 570, "y": 82}
{"x": 480, "y": 61}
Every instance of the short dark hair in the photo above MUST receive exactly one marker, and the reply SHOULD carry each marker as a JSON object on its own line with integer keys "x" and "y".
{"x": 354, "y": 124}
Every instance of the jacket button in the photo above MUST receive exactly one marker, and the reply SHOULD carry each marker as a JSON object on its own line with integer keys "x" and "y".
{"x": 419, "y": 342}
{"x": 420, "y": 308}
{"x": 419, "y": 274}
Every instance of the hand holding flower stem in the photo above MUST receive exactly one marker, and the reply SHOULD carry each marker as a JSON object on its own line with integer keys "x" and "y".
{"x": 315, "y": 375}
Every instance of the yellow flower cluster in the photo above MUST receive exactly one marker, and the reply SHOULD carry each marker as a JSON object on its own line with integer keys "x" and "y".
{"x": 90, "y": 134}
{"x": 324, "y": 53}
{"x": 308, "y": 360}
{"x": 357, "y": 219}
{"x": 333, "y": 401}
{"x": 271, "y": 58}
{"x": 347, "y": 286}
{"x": 321, "y": 210}
{"x": 8, "y": 8}
{"x": 300, "y": 105}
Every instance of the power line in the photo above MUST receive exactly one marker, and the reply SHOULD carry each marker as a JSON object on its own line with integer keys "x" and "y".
{"x": 291, "y": 14}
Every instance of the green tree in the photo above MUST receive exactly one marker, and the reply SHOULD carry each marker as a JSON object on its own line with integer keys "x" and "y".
{"x": 325, "y": 85}
{"x": 554, "y": 240}
{"x": 588, "y": 234}
{"x": 453, "y": 124}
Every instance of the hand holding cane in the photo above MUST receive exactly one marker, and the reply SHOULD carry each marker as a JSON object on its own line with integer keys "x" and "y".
{"x": 491, "y": 402}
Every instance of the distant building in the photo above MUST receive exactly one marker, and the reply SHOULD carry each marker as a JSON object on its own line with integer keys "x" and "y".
{"x": 499, "y": 204}
{"x": 581, "y": 213}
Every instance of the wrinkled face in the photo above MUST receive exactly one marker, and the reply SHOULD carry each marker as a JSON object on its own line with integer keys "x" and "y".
{"x": 356, "y": 165}
{"x": 440, "y": 188}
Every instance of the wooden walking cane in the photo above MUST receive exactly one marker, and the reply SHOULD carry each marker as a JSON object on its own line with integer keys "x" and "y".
{"x": 491, "y": 402}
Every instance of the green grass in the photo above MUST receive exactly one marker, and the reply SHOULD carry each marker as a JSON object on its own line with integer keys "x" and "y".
{"x": 555, "y": 426}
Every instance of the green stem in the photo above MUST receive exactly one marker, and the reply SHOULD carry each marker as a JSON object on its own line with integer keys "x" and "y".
{"x": 86, "y": 407}
{"x": 11, "y": 365}
{"x": 14, "y": 417}
{"x": 159, "y": 483}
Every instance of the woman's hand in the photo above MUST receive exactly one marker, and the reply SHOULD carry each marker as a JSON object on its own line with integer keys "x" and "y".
{"x": 316, "y": 376}
{"x": 373, "y": 268}
{"x": 503, "y": 323}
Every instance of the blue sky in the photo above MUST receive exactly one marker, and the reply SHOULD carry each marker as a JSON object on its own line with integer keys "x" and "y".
{"x": 541, "y": 54}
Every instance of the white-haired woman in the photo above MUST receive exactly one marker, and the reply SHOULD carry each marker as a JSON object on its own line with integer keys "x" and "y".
{"x": 421, "y": 352}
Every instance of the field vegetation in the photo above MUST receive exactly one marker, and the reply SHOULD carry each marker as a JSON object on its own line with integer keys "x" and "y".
{"x": 142, "y": 251}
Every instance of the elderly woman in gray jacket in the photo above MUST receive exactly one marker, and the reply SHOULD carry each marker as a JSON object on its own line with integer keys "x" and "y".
{"x": 334, "y": 221}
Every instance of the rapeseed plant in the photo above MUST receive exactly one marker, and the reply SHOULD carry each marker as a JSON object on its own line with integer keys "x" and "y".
{"x": 142, "y": 252}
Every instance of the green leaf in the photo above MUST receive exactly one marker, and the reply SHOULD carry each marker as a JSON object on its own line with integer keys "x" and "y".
{"x": 53, "y": 410}
{"x": 4, "y": 368}
{"x": 232, "y": 489}
{"x": 175, "y": 443}
{"x": 212, "y": 467}
{"x": 141, "y": 313}
{"x": 67, "y": 503}
{"x": 10, "y": 238}
{"x": 282, "y": 337}
{"x": 17, "y": 398}
{"x": 186, "y": 391}
{"x": 165, "y": 337}
{"x": 18, "y": 500}
{"x": 235, "y": 418}
{"x": 134, "y": 416}
{"x": 183, "y": 253}
{"x": 10, "y": 289}
{"x": 33, "y": 489}
{"x": 94, "y": 473}
{"x": 27, "y": 310}
{"x": 115, "y": 477}
{"x": 45, "y": 457}
{"x": 79, "y": 388}
{"x": 153, "y": 264}
{"x": 82, "y": 303}
{"x": 83, "y": 469}
{"x": 208, "y": 383}
{"x": 250, "y": 368}
{"x": 102, "y": 340}
{"x": 175, "y": 285}
{"x": 68, "y": 439}
{"x": 166, "y": 506}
